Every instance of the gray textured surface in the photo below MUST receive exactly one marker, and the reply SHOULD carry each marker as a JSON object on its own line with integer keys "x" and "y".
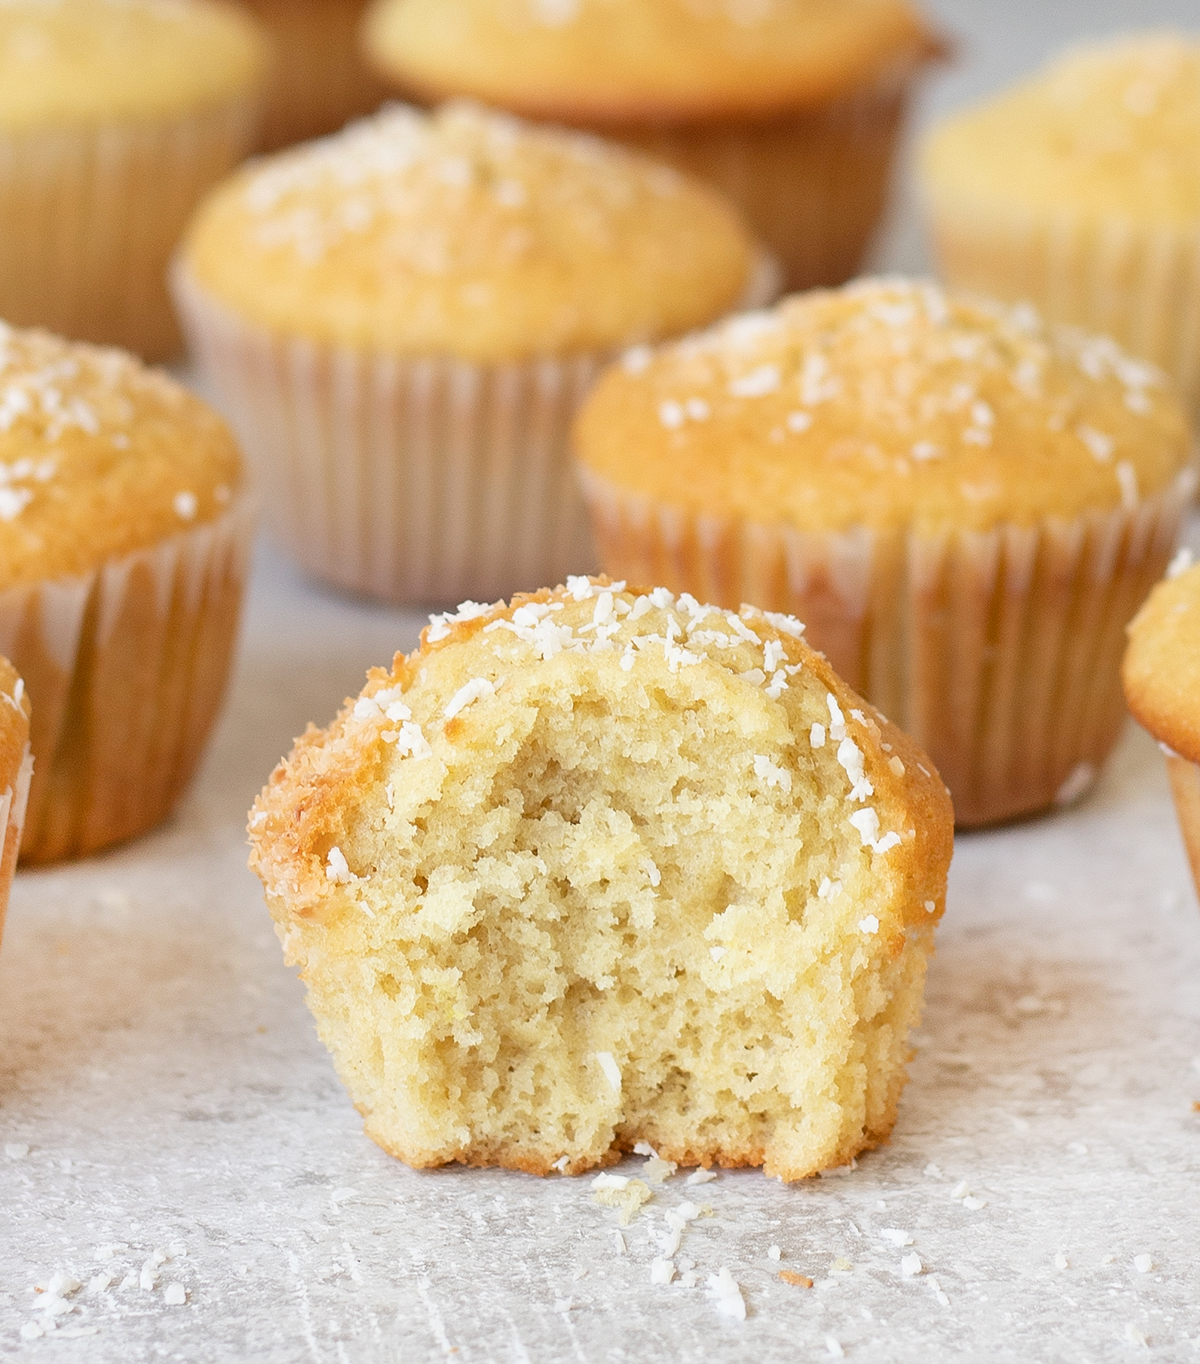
{"x": 160, "y": 1066}
{"x": 161, "y": 1087}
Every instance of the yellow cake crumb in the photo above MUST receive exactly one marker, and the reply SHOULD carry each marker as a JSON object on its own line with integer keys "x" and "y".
{"x": 603, "y": 868}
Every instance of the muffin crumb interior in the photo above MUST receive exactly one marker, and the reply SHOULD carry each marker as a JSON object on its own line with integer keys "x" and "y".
{"x": 597, "y": 885}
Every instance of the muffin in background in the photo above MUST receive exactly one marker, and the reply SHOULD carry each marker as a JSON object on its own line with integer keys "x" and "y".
{"x": 1080, "y": 191}
{"x": 963, "y": 505}
{"x": 124, "y": 536}
{"x": 115, "y": 117}
{"x": 16, "y": 769}
{"x": 1162, "y": 685}
{"x": 319, "y": 79}
{"x": 402, "y": 320}
{"x": 790, "y": 107}
{"x": 599, "y": 867}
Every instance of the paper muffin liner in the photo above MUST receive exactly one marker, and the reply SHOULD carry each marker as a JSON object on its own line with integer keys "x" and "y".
{"x": 1185, "y": 787}
{"x": 1135, "y": 283}
{"x": 998, "y": 651}
{"x": 126, "y": 667}
{"x": 813, "y": 186}
{"x": 13, "y": 802}
{"x": 89, "y": 218}
{"x": 427, "y": 480}
{"x": 319, "y": 79}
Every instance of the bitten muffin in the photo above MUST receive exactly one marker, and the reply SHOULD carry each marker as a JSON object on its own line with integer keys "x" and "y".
{"x": 600, "y": 867}
{"x": 1080, "y": 190}
{"x": 964, "y": 505}
{"x": 319, "y": 80}
{"x": 115, "y": 117}
{"x": 403, "y": 319}
{"x": 123, "y": 537}
{"x": 790, "y": 107}
{"x": 16, "y": 769}
{"x": 1162, "y": 685}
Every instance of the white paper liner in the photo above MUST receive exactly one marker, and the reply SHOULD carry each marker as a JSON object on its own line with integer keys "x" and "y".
{"x": 1138, "y": 284}
{"x": 998, "y": 651}
{"x": 428, "y": 480}
{"x": 1185, "y": 787}
{"x": 813, "y": 186}
{"x": 13, "y": 803}
{"x": 89, "y": 218}
{"x": 125, "y": 669}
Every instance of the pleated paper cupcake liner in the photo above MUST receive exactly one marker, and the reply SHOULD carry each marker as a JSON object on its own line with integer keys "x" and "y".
{"x": 1185, "y": 787}
{"x": 319, "y": 80}
{"x": 13, "y": 801}
{"x": 1137, "y": 284}
{"x": 89, "y": 219}
{"x": 126, "y": 667}
{"x": 998, "y": 651}
{"x": 813, "y": 186}
{"x": 429, "y": 480}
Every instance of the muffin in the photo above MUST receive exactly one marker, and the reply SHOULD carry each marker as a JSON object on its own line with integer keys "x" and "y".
{"x": 115, "y": 117}
{"x": 1162, "y": 685}
{"x": 16, "y": 768}
{"x": 1080, "y": 190}
{"x": 601, "y": 867}
{"x": 123, "y": 545}
{"x": 790, "y": 107}
{"x": 319, "y": 80}
{"x": 963, "y": 505}
{"x": 402, "y": 320}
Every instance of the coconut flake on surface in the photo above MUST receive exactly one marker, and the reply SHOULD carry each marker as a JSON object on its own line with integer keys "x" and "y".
{"x": 896, "y": 1237}
{"x": 623, "y": 1193}
{"x": 725, "y": 1291}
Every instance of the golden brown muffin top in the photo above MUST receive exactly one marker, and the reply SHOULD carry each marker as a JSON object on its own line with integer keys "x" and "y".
{"x": 14, "y": 731}
{"x": 474, "y": 686}
{"x": 887, "y": 403}
{"x": 597, "y": 61}
{"x": 1107, "y": 131}
{"x": 466, "y": 233}
{"x": 101, "y": 61}
{"x": 1162, "y": 664}
{"x": 99, "y": 456}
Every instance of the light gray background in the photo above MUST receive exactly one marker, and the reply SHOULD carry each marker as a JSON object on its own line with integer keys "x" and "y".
{"x": 161, "y": 1086}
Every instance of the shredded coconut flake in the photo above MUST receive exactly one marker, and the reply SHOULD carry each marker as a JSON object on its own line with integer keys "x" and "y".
{"x": 610, "y": 1068}
{"x": 13, "y": 502}
{"x": 758, "y": 383}
{"x": 866, "y": 821}
{"x": 475, "y": 690}
{"x": 337, "y": 869}
{"x": 771, "y": 774}
{"x": 723, "y": 1288}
